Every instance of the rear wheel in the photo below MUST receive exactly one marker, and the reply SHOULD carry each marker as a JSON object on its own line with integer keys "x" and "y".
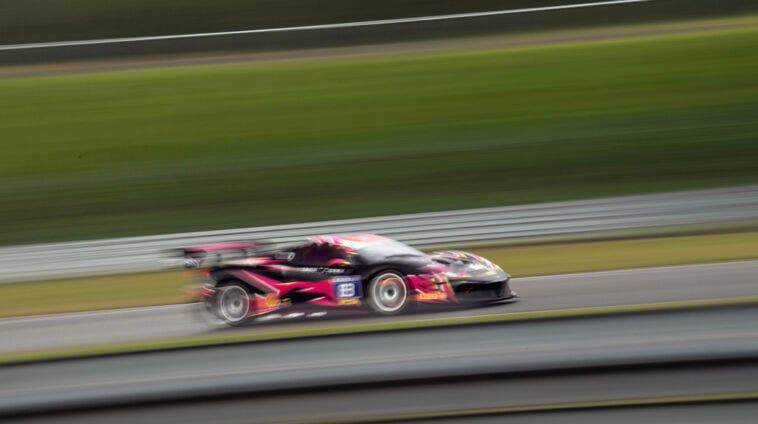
{"x": 233, "y": 303}
{"x": 387, "y": 293}
{"x": 230, "y": 305}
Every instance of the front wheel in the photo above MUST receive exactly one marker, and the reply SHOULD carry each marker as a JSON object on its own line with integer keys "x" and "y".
{"x": 387, "y": 294}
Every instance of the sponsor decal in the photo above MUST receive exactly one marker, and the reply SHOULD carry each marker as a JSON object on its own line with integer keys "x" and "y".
{"x": 432, "y": 296}
{"x": 325, "y": 270}
{"x": 308, "y": 269}
{"x": 351, "y": 301}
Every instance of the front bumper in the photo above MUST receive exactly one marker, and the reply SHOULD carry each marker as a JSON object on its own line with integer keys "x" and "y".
{"x": 473, "y": 292}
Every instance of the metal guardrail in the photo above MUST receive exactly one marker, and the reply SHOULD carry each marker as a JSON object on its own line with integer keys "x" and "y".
{"x": 131, "y": 254}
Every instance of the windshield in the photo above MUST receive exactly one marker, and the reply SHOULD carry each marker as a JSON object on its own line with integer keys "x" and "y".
{"x": 375, "y": 252}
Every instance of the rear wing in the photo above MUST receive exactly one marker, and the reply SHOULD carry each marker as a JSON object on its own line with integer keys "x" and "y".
{"x": 209, "y": 255}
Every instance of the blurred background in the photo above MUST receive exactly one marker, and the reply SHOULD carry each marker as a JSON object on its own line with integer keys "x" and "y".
{"x": 371, "y": 126}
{"x": 132, "y": 127}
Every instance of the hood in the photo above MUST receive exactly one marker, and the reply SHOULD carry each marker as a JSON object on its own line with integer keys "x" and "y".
{"x": 459, "y": 265}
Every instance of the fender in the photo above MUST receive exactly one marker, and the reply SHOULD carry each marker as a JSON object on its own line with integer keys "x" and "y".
{"x": 257, "y": 282}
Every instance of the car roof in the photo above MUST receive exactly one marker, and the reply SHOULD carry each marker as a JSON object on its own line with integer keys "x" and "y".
{"x": 351, "y": 241}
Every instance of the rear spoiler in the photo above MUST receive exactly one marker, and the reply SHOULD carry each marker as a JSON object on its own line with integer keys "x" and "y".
{"x": 209, "y": 255}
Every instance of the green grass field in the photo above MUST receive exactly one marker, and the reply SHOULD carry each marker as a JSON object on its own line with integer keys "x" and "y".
{"x": 162, "y": 288}
{"x": 209, "y": 147}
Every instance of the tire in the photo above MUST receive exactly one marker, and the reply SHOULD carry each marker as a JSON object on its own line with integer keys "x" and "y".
{"x": 231, "y": 304}
{"x": 387, "y": 293}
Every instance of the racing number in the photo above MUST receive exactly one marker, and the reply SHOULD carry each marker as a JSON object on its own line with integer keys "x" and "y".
{"x": 346, "y": 290}
{"x": 346, "y": 287}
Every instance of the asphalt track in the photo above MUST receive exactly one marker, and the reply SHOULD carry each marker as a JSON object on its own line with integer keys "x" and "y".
{"x": 609, "y": 358}
{"x": 624, "y": 287}
{"x": 710, "y": 413}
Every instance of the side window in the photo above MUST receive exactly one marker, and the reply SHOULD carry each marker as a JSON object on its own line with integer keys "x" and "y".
{"x": 318, "y": 255}
{"x": 300, "y": 254}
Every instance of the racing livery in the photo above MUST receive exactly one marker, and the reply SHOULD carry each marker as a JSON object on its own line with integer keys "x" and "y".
{"x": 244, "y": 280}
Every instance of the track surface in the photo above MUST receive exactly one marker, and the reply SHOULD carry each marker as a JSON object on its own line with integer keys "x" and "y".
{"x": 491, "y": 359}
{"x": 722, "y": 413}
{"x": 538, "y": 293}
{"x": 623, "y": 287}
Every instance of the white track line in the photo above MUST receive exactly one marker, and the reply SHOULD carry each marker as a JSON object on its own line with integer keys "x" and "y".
{"x": 315, "y": 27}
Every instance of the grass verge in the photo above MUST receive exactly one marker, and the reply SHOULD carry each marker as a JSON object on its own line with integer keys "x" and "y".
{"x": 160, "y": 288}
{"x": 564, "y": 258}
{"x": 254, "y": 335}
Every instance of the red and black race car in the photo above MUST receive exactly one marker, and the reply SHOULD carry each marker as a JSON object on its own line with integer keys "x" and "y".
{"x": 245, "y": 280}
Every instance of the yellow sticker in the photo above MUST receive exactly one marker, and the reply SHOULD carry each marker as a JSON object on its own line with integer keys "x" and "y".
{"x": 269, "y": 301}
{"x": 431, "y": 296}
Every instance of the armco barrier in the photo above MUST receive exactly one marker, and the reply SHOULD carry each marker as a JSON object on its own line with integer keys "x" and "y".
{"x": 93, "y": 257}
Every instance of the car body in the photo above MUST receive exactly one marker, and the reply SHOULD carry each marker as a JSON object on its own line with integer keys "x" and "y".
{"x": 244, "y": 280}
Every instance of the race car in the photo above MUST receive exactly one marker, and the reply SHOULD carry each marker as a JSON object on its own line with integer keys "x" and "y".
{"x": 245, "y": 280}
